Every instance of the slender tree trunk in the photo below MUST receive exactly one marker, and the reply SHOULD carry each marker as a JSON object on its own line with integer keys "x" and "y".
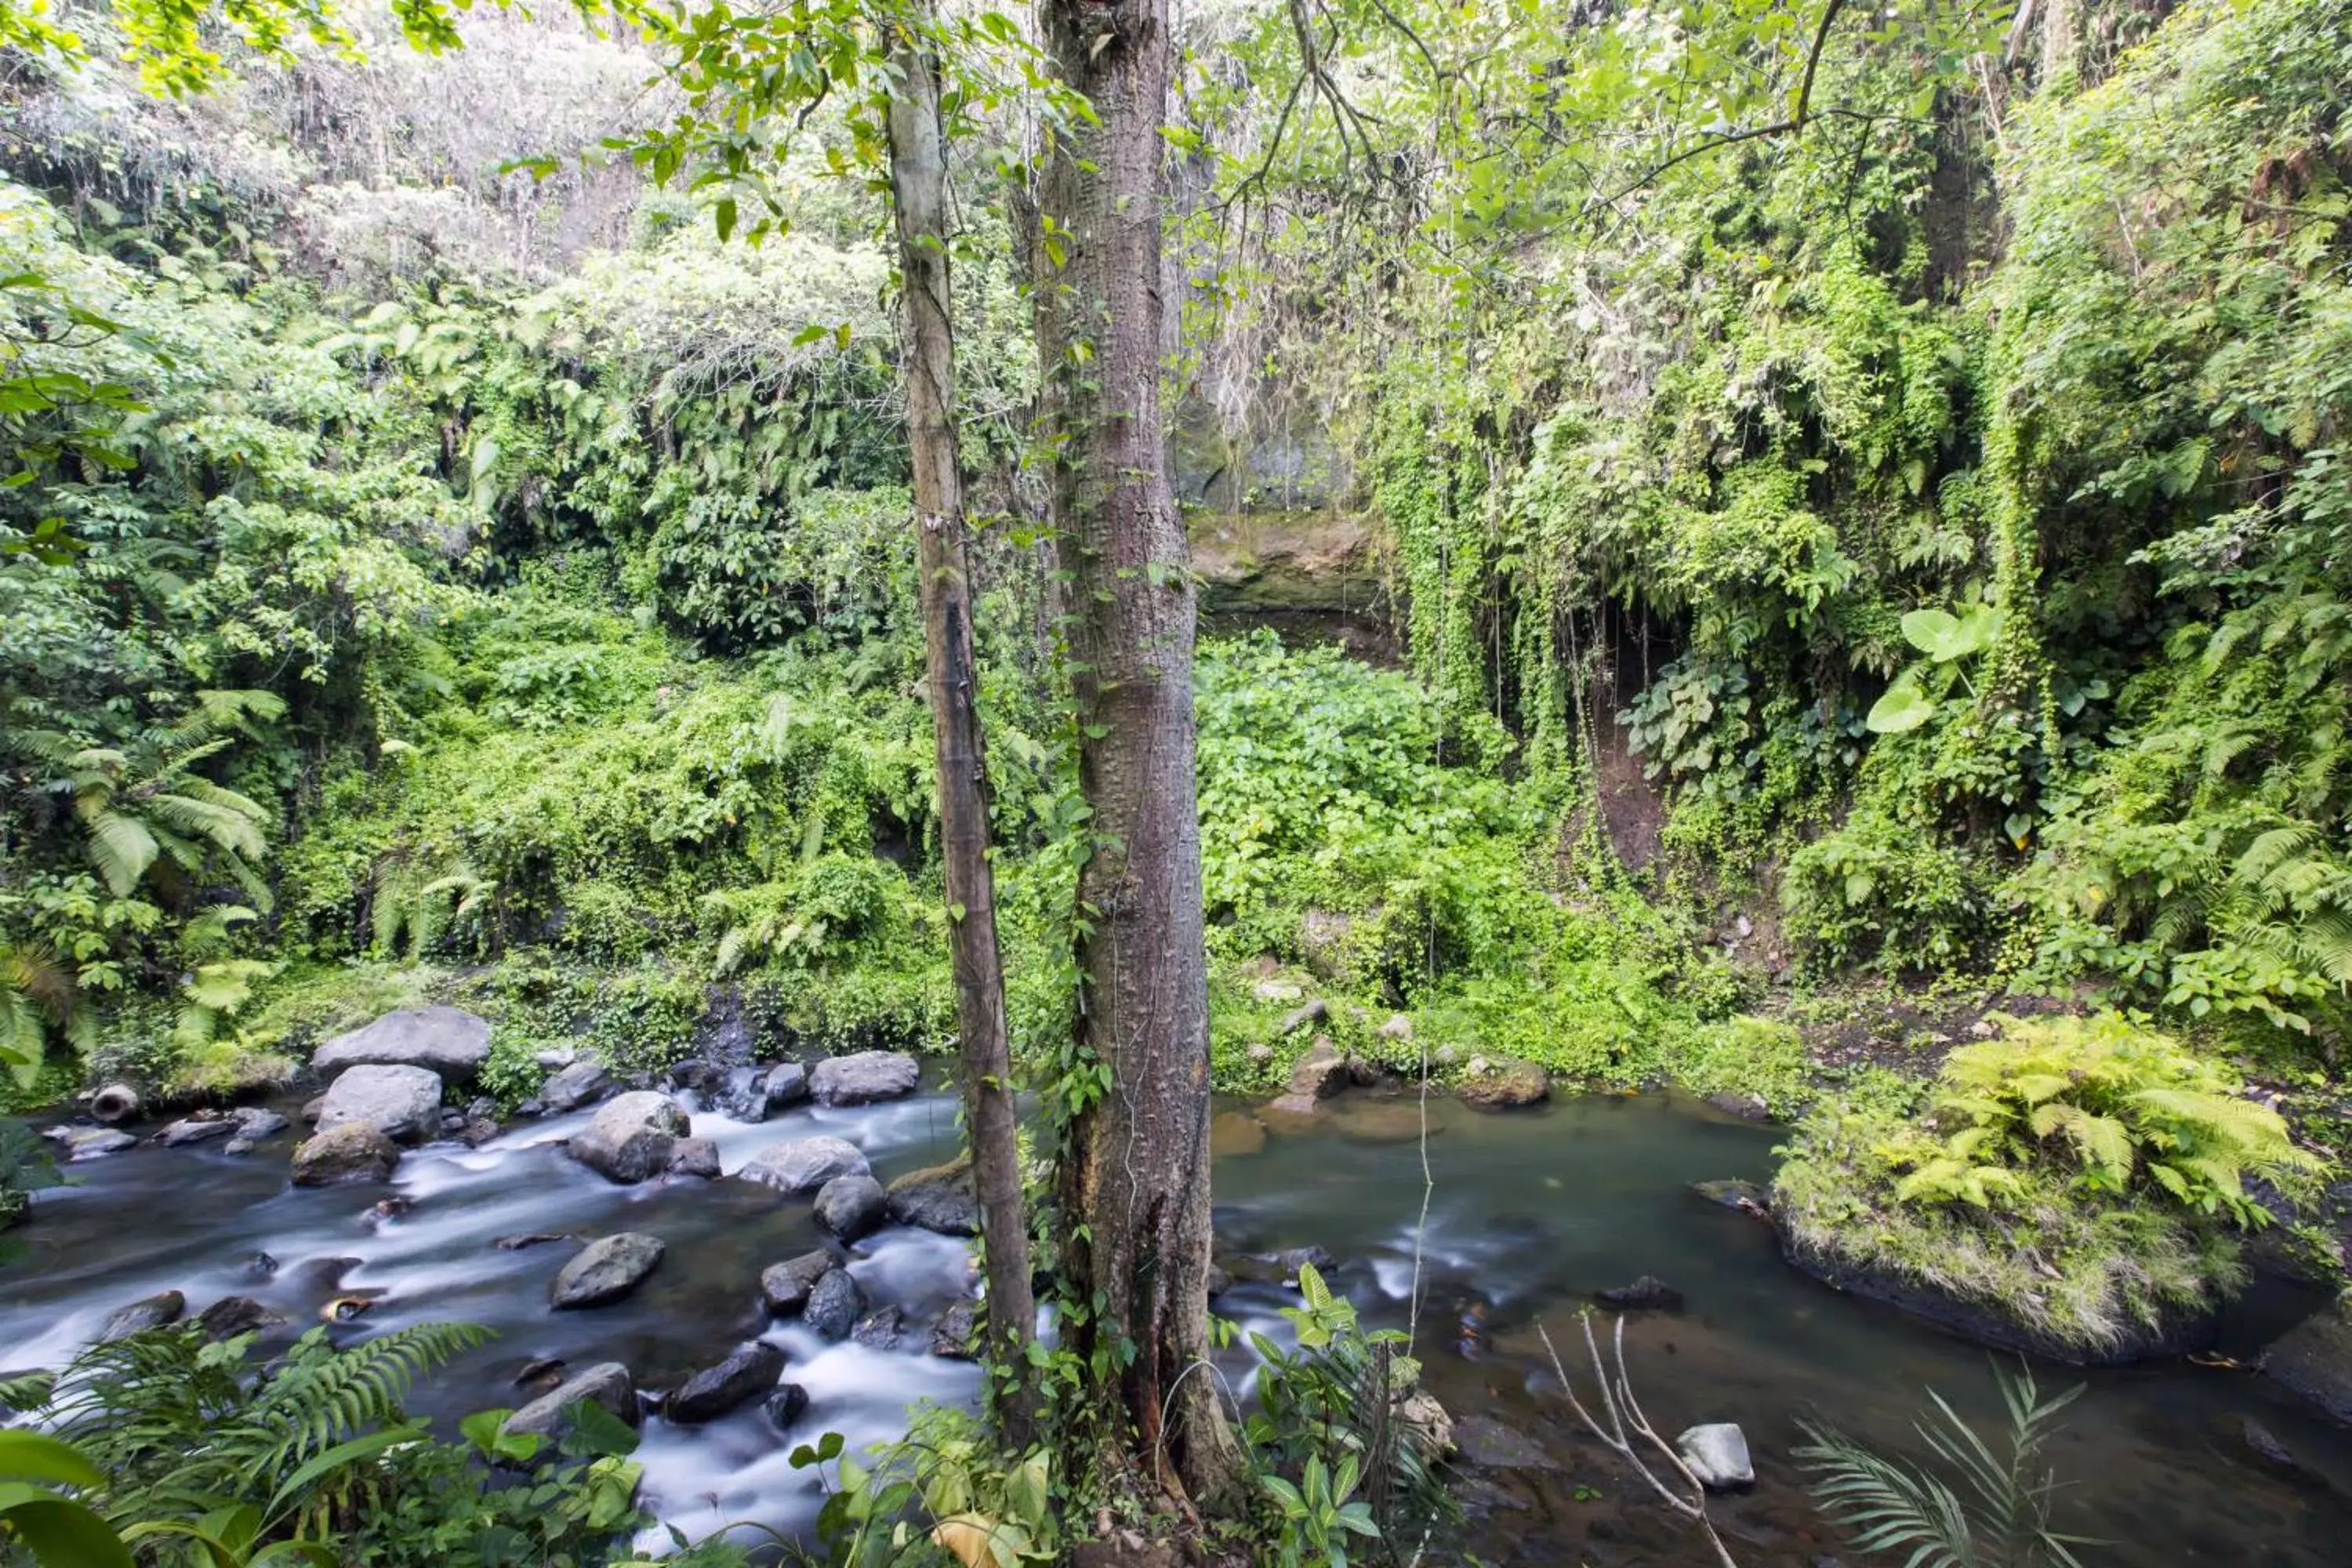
{"x": 1134, "y": 1179}
{"x": 919, "y": 191}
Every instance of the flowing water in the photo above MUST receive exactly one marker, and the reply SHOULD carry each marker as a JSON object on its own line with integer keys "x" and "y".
{"x": 1527, "y": 1215}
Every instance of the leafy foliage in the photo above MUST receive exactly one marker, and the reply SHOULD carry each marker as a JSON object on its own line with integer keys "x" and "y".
{"x": 1982, "y": 1510}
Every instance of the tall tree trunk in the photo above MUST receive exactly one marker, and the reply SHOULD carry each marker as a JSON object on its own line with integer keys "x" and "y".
{"x": 1134, "y": 1179}
{"x": 919, "y": 192}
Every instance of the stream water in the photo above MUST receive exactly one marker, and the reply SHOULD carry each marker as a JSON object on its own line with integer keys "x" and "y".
{"x": 1528, "y": 1213}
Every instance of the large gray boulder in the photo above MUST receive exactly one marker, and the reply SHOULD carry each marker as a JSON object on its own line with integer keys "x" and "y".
{"x": 446, "y": 1040}
{"x": 756, "y": 1093}
{"x": 608, "y": 1384}
{"x": 606, "y": 1269}
{"x": 806, "y": 1164}
{"x": 404, "y": 1103}
{"x": 353, "y": 1151}
{"x": 749, "y": 1372}
{"x": 584, "y": 1082}
{"x": 834, "y": 1305}
{"x": 632, "y": 1138}
{"x": 785, "y": 1286}
{"x": 1501, "y": 1086}
{"x": 849, "y": 1206}
{"x": 864, "y": 1078}
{"x": 939, "y": 1198}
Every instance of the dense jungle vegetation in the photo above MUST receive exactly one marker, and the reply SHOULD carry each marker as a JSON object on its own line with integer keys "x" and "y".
{"x": 1861, "y": 497}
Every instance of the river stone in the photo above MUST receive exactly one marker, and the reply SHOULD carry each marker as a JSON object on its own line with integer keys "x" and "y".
{"x": 1745, "y": 1196}
{"x": 864, "y": 1078}
{"x": 149, "y": 1312}
{"x": 631, "y": 1137}
{"x": 695, "y": 1157}
{"x": 1310, "y": 1012}
{"x": 1647, "y": 1293}
{"x": 787, "y": 1404}
{"x": 233, "y": 1315}
{"x": 750, "y": 1372}
{"x": 785, "y": 1287}
{"x": 2314, "y": 1359}
{"x": 115, "y": 1102}
{"x": 956, "y": 1336}
{"x": 804, "y": 1164}
{"x": 878, "y": 1330}
{"x": 938, "y": 1198}
{"x": 788, "y": 1084}
{"x": 582, "y": 1082}
{"x": 849, "y": 1206}
{"x": 605, "y": 1270}
{"x": 353, "y": 1151}
{"x": 1426, "y": 1428}
{"x": 833, "y": 1304}
{"x": 1504, "y": 1085}
{"x": 607, "y": 1383}
{"x": 79, "y": 1143}
{"x": 196, "y": 1128}
{"x": 404, "y": 1103}
{"x": 1483, "y": 1440}
{"x": 743, "y": 1094}
{"x": 2263, "y": 1445}
{"x": 254, "y": 1123}
{"x": 446, "y": 1040}
{"x": 1315, "y": 1078}
{"x": 1718, "y": 1455}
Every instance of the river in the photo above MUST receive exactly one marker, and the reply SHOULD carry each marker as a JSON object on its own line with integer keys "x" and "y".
{"x": 1528, "y": 1213}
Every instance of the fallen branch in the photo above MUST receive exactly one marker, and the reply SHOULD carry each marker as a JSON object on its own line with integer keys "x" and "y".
{"x": 1627, "y": 1429}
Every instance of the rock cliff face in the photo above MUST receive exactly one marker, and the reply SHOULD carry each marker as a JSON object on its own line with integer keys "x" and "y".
{"x": 1310, "y": 576}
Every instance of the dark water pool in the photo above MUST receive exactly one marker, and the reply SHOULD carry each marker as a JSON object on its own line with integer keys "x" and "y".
{"x": 1527, "y": 1215}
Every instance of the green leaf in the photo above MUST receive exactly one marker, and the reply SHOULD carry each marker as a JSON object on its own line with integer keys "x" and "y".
{"x": 1903, "y": 708}
{"x": 32, "y": 1457}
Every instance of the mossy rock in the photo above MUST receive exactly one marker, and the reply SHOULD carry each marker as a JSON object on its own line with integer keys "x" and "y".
{"x": 2175, "y": 1332}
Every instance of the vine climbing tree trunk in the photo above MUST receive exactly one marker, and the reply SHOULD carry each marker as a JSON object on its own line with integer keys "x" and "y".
{"x": 919, "y": 192}
{"x": 1133, "y": 1180}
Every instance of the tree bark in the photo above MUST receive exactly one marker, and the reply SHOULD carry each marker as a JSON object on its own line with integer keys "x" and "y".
{"x": 919, "y": 192}
{"x": 1133, "y": 1180}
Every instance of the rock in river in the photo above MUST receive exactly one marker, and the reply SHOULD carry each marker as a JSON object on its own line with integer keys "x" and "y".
{"x": 880, "y": 1330}
{"x": 404, "y": 1103}
{"x": 632, "y": 1138}
{"x": 583, "y": 1082}
{"x": 1318, "y": 1075}
{"x": 750, "y": 1372}
{"x": 804, "y": 1164}
{"x": 2314, "y": 1359}
{"x": 785, "y": 1287}
{"x": 1718, "y": 1455}
{"x": 833, "y": 1304}
{"x": 608, "y": 1383}
{"x": 446, "y": 1040}
{"x": 1506, "y": 1084}
{"x": 354, "y": 1152}
{"x": 1647, "y": 1293}
{"x": 77, "y": 1144}
{"x": 938, "y": 1198}
{"x": 151, "y": 1312}
{"x": 863, "y": 1078}
{"x": 605, "y": 1270}
{"x": 956, "y": 1336}
{"x": 849, "y": 1206}
{"x": 195, "y": 1129}
{"x": 787, "y": 1404}
{"x": 695, "y": 1157}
